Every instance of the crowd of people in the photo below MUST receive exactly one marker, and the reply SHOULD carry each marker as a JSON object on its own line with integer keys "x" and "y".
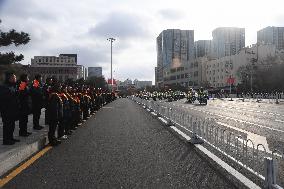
{"x": 66, "y": 106}
{"x": 171, "y": 95}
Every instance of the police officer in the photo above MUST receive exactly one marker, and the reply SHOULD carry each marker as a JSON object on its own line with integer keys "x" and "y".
{"x": 37, "y": 101}
{"x": 24, "y": 105}
{"x": 9, "y": 106}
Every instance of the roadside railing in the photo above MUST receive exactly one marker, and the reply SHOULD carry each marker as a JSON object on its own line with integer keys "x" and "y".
{"x": 267, "y": 165}
{"x": 258, "y": 97}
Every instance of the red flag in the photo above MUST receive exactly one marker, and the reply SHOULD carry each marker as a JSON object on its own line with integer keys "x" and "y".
{"x": 231, "y": 80}
{"x": 113, "y": 81}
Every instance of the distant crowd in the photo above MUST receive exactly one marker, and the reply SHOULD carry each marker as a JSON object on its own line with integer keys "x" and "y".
{"x": 66, "y": 106}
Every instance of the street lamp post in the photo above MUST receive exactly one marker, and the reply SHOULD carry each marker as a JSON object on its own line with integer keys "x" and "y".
{"x": 111, "y": 41}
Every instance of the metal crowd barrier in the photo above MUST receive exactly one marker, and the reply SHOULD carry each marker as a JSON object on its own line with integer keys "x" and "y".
{"x": 258, "y": 97}
{"x": 253, "y": 157}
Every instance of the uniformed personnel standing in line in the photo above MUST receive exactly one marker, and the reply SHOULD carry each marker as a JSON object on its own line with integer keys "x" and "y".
{"x": 25, "y": 106}
{"x": 55, "y": 112}
{"x": 37, "y": 101}
{"x": 46, "y": 93}
{"x": 9, "y": 106}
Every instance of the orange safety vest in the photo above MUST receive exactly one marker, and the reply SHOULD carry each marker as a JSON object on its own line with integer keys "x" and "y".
{"x": 36, "y": 83}
{"x": 22, "y": 86}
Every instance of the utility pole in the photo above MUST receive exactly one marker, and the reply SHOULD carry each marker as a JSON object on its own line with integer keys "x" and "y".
{"x": 111, "y": 41}
{"x": 254, "y": 61}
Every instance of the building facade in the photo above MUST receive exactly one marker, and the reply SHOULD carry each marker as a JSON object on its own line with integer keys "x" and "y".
{"x": 202, "y": 48}
{"x": 271, "y": 35}
{"x": 62, "y": 67}
{"x": 175, "y": 50}
{"x": 218, "y": 71}
{"x": 227, "y": 41}
{"x": 95, "y": 72}
{"x": 141, "y": 84}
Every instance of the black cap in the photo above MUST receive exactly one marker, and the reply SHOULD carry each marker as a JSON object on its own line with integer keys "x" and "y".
{"x": 37, "y": 77}
{"x": 8, "y": 75}
{"x": 23, "y": 77}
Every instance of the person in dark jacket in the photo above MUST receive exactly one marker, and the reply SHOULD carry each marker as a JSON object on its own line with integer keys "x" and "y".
{"x": 46, "y": 94}
{"x": 55, "y": 113}
{"x": 9, "y": 106}
{"x": 37, "y": 101}
{"x": 24, "y": 105}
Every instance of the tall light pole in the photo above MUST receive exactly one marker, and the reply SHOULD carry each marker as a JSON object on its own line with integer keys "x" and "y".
{"x": 111, "y": 41}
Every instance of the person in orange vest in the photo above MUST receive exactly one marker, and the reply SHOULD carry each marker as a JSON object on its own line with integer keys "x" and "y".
{"x": 65, "y": 122}
{"x": 55, "y": 113}
{"x": 77, "y": 109}
{"x": 46, "y": 93}
{"x": 25, "y": 106}
{"x": 37, "y": 101}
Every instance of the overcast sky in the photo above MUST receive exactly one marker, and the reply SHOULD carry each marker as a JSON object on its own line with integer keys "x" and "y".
{"x": 82, "y": 27}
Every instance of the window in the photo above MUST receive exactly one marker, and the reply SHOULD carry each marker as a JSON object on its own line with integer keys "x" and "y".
{"x": 186, "y": 75}
{"x": 39, "y": 60}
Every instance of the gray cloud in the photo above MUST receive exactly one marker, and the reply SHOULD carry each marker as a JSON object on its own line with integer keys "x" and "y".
{"x": 121, "y": 25}
{"x": 87, "y": 56}
{"x": 171, "y": 14}
{"x": 26, "y": 9}
{"x": 55, "y": 30}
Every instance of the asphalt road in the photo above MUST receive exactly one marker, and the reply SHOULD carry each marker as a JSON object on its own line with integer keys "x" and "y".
{"x": 262, "y": 122}
{"x": 122, "y": 146}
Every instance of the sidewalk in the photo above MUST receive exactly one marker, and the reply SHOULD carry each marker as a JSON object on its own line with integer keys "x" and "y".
{"x": 12, "y": 155}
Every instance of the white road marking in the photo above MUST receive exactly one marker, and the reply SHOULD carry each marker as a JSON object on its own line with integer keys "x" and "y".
{"x": 279, "y": 120}
{"x": 242, "y": 121}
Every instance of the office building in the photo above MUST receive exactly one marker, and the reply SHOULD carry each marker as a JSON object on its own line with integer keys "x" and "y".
{"x": 271, "y": 35}
{"x": 95, "y": 72}
{"x": 202, "y": 48}
{"x": 227, "y": 41}
{"x": 62, "y": 67}
{"x": 175, "y": 50}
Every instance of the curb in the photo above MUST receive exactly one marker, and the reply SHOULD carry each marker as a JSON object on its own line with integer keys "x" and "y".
{"x": 13, "y": 158}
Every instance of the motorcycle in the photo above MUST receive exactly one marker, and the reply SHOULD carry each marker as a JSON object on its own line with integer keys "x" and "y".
{"x": 170, "y": 98}
{"x": 191, "y": 98}
{"x": 202, "y": 98}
